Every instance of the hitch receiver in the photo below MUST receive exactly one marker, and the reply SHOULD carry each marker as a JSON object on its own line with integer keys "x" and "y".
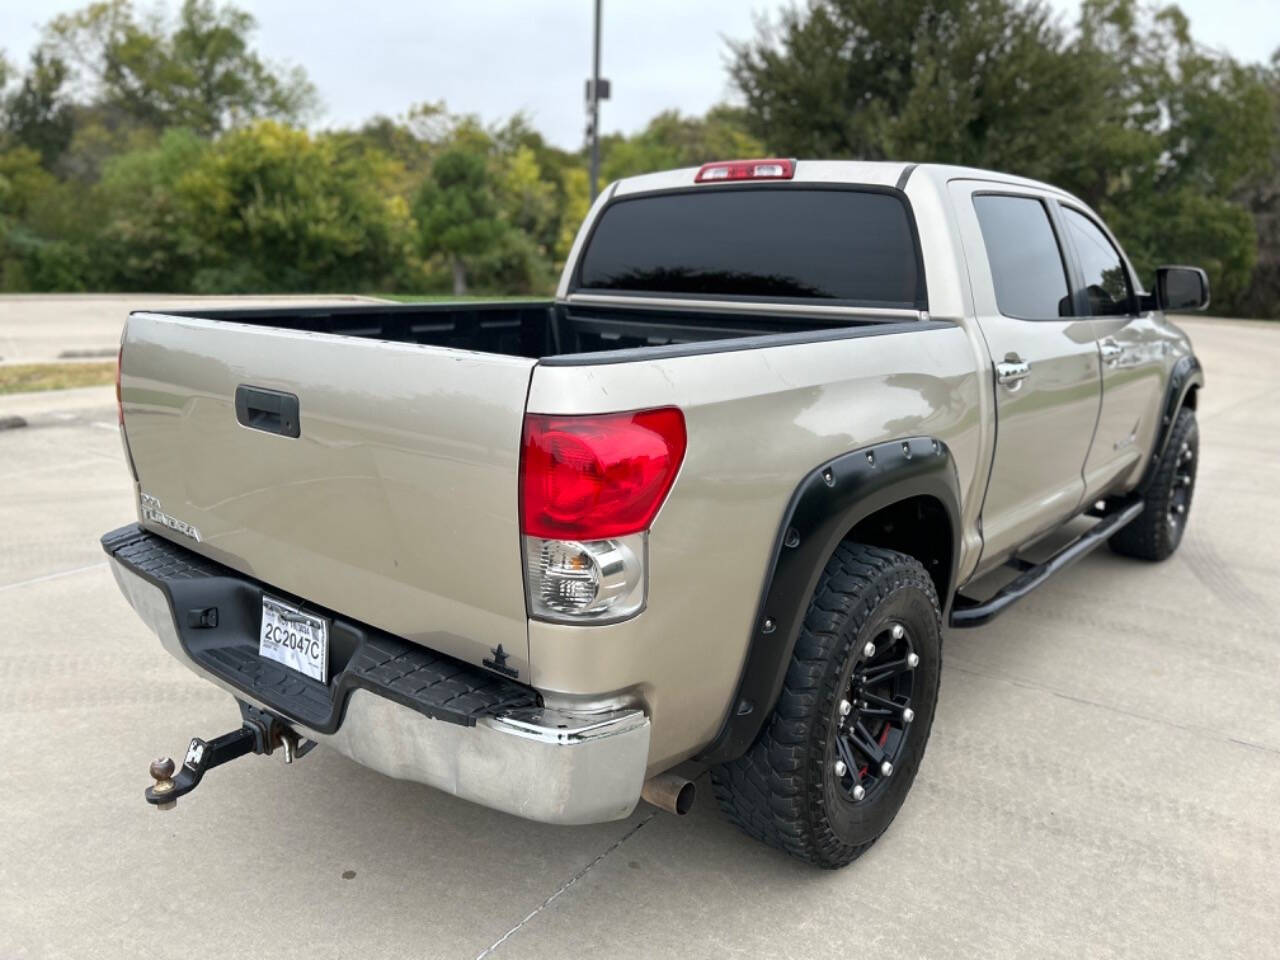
{"x": 261, "y": 733}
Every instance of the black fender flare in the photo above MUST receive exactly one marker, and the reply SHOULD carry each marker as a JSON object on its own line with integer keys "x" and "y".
{"x": 826, "y": 505}
{"x": 1185, "y": 376}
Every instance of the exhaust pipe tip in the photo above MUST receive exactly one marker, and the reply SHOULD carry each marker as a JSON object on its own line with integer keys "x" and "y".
{"x": 669, "y": 792}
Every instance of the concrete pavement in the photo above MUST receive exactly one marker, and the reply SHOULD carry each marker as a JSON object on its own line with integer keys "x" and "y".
{"x": 1103, "y": 778}
{"x": 42, "y": 327}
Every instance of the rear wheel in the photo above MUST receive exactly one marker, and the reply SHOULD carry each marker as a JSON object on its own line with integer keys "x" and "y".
{"x": 837, "y": 756}
{"x": 1158, "y": 530}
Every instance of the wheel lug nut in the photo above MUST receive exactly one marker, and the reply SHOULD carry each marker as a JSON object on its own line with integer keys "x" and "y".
{"x": 869, "y": 650}
{"x": 913, "y": 660}
{"x": 845, "y": 707}
{"x": 859, "y": 792}
{"x": 886, "y": 768}
{"x": 840, "y": 768}
{"x": 897, "y": 632}
{"x": 908, "y": 714}
{"x": 1180, "y": 508}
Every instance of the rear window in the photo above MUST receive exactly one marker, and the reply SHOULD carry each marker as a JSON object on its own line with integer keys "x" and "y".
{"x": 790, "y": 243}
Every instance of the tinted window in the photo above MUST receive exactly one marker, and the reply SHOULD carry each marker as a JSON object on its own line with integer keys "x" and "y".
{"x": 1105, "y": 279}
{"x": 1026, "y": 264}
{"x": 791, "y": 242}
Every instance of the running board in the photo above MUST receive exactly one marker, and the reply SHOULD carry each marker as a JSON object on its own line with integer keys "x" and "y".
{"x": 972, "y": 613}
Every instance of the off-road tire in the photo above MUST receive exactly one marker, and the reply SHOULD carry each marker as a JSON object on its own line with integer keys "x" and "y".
{"x": 783, "y": 791}
{"x": 1156, "y": 533}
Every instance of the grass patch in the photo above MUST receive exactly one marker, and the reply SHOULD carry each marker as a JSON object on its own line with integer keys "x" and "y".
{"x": 26, "y": 377}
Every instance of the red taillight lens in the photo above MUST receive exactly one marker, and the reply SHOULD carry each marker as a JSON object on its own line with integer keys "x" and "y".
{"x": 119, "y": 402}
{"x": 594, "y": 477}
{"x": 746, "y": 170}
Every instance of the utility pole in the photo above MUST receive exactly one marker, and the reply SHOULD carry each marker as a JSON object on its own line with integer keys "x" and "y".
{"x": 597, "y": 90}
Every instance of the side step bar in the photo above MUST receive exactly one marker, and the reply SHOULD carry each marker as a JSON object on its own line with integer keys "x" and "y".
{"x": 972, "y": 613}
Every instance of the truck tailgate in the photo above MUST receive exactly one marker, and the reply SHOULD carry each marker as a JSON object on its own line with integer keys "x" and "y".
{"x": 397, "y": 502}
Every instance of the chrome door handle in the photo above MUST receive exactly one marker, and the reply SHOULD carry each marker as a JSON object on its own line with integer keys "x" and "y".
{"x": 1011, "y": 371}
{"x": 1111, "y": 351}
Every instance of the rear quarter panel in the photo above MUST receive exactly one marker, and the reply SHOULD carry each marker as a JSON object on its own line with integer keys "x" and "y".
{"x": 758, "y": 421}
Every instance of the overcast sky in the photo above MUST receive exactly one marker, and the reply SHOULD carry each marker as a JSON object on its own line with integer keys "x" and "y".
{"x": 494, "y": 57}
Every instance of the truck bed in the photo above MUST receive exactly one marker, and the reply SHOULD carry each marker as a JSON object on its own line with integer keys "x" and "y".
{"x": 367, "y": 457}
{"x": 535, "y": 329}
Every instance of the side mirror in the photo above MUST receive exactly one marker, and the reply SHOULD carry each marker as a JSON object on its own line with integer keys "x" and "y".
{"x": 1181, "y": 288}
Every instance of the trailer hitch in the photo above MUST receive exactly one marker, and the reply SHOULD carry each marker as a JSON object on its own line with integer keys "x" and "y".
{"x": 261, "y": 733}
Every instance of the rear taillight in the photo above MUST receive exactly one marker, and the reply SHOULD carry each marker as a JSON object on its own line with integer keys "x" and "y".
{"x": 590, "y": 487}
{"x": 746, "y": 170}
{"x": 592, "y": 477}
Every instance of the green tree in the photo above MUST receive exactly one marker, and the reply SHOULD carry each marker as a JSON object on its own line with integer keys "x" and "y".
{"x": 577, "y": 202}
{"x": 672, "y": 139}
{"x": 1203, "y": 129}
{"x": 198, "y": 72}
{"x": 271, "y": 209}
{"x": 516, "y": 181}
{"x": 145, "y": 240}
{"x": 1262, "y": 198}
{"x": 38, "y": 249}
{"x": 1158, "y": 133}
{"x": 458, "y": 209}
{"x": 988, "y": 82}
{"x": 38, "y": 114}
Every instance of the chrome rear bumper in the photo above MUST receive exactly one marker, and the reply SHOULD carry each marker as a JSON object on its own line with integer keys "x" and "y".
{"x": 541, "y": 764}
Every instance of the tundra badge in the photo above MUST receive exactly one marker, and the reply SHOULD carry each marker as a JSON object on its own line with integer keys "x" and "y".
{"x": 150, "y": 508}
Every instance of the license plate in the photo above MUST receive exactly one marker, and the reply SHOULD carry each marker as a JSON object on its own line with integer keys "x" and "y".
{"x": 296, "y": 639}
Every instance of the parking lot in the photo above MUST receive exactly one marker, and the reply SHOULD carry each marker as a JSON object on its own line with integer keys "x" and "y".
{"x": 1103, "y": 778}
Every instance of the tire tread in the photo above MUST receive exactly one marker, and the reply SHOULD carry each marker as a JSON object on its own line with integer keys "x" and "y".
{"x": 1149, "y": 537}
{"x": 769, "y": 792}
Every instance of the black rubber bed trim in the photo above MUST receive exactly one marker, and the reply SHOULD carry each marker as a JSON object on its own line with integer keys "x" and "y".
{"x": 871, "y": 328}
{"x": 360, "y": 657}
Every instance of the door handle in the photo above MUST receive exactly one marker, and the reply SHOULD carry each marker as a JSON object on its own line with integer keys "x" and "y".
{"x": 272, "y": 411}
{"x": 1111, "y": 351}
{"x": 1011, "y": 371}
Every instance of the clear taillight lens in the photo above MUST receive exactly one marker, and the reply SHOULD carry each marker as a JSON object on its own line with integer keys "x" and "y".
{"x": 574, "y": 581}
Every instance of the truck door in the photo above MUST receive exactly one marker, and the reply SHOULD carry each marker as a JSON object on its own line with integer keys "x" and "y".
{"x": 1133, "y": 353}
{"x": 1045, "y": 368}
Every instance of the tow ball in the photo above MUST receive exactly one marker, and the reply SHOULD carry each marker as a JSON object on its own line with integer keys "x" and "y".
{"x": 261, "y": 733}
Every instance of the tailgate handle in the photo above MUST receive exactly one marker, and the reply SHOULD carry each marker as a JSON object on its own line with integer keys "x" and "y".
{"x": 270, "y": 410}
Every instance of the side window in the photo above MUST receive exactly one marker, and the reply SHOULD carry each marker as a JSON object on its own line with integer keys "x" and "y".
{"x": 1026, "y": 263}
{"x": 1106, "y": 282}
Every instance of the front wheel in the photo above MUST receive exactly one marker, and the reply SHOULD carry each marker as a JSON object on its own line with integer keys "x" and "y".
{"x": 837, "y": 756}
{"x": 1159, "y": 528}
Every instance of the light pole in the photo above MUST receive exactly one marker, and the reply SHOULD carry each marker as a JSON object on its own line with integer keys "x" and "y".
{"x": 597, "y": 90}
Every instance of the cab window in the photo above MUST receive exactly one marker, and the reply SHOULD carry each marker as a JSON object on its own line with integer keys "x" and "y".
{"x": 1026, "y": 263}
{"x": 1106, "y": 282}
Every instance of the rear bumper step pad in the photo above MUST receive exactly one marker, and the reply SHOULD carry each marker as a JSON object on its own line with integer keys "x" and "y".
{"x": 217, "y": 612}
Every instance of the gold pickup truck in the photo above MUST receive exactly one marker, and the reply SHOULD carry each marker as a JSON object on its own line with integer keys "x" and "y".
{"x": 708, "y": 510}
